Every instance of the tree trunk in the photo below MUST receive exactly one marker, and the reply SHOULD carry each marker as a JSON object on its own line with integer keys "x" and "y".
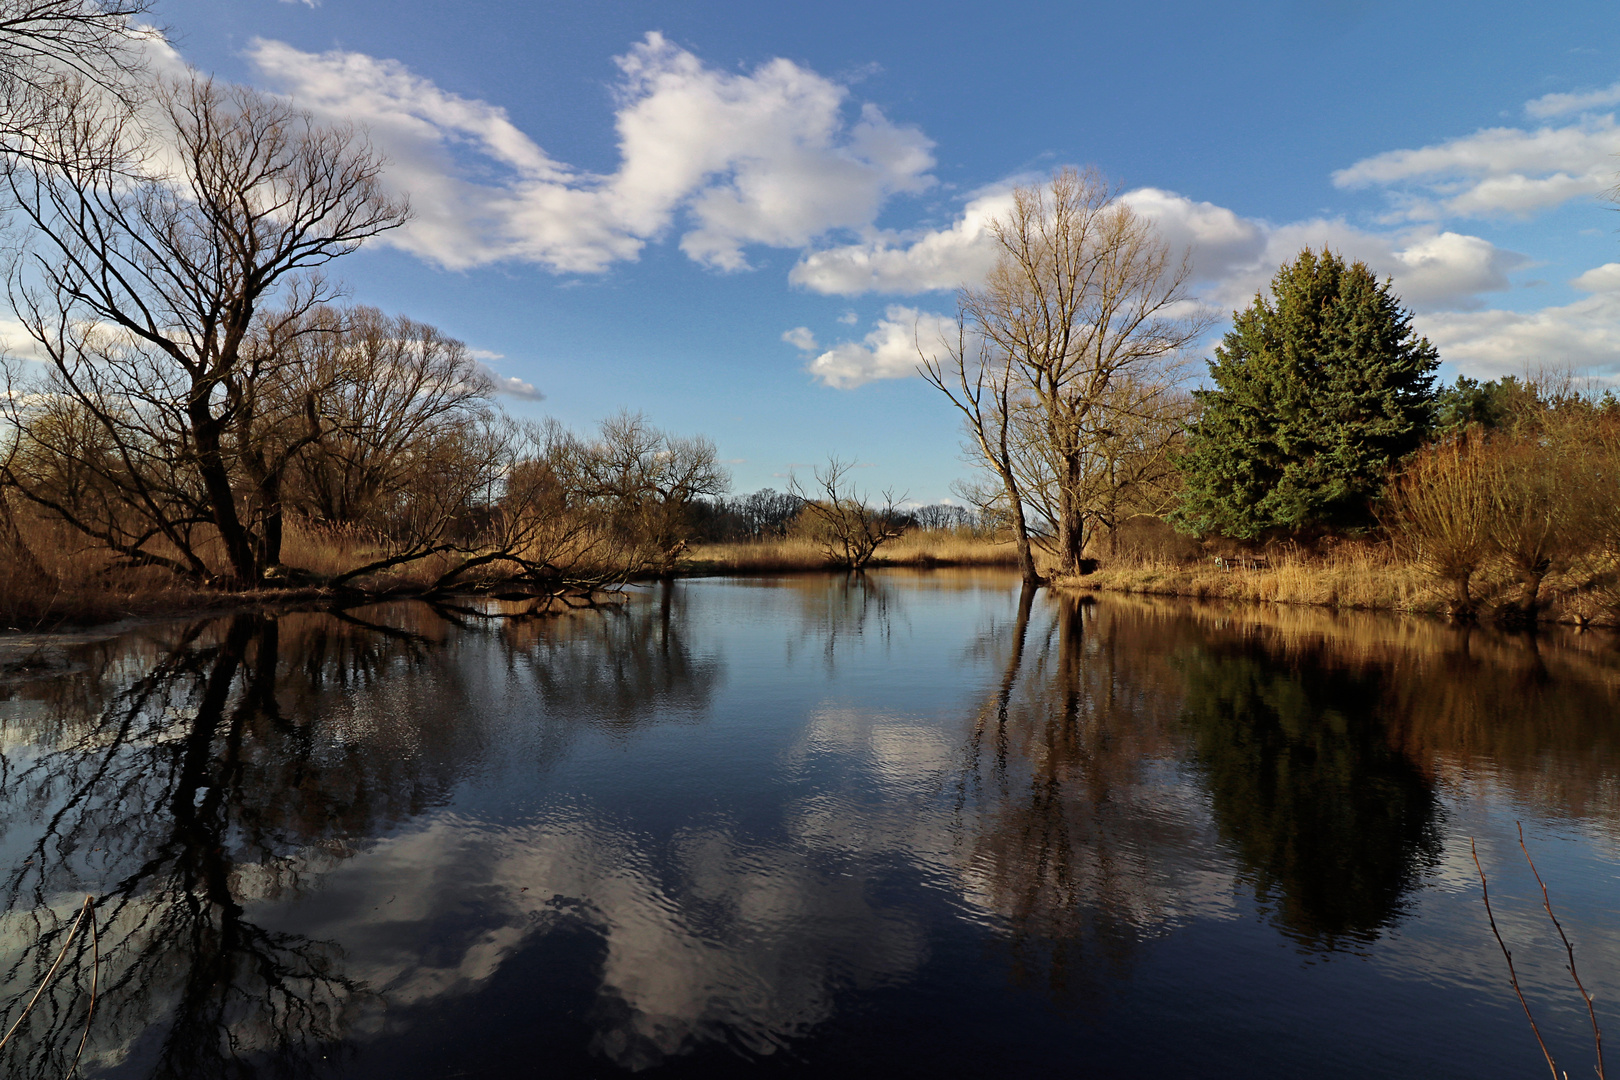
{"x": 222, "y": 502}
{"x": 16, "y": 548}
{"x": 1026, "y": 554}
{"x": 1462, "y": 602}
{"x": 1530, "y": 589}
{"x": 1071, "y": 518}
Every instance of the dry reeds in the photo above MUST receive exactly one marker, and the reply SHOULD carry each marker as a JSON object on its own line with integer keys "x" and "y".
{"x": 1354, "y": 576}
{"x": 918, "y": 547}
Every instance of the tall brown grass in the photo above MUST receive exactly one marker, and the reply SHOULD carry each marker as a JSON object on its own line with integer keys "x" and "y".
{"x": 49, "y": 575}
{"x": 1361, "y": 577}
{"x": 52, "y": 576}
{"x": 943, "y": 547}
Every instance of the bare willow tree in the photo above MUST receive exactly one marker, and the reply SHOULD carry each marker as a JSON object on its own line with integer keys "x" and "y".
{"x": 54, "y": 50}
{"x": 148, "y": 280}
{"x": 979, "y": 383}
{"x": 1084, "y": 320}
{"x": 1439, "y": 509}
{"x": 364, "y": 407}
{"x": 646, "y": 480}
{"x": 1126, "y": 461}
{"x": 849, "y": 526}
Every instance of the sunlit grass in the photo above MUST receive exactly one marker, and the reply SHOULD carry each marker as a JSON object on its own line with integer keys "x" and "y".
{"x": 1357, "y": 576}
{"x": 915, "y": 548}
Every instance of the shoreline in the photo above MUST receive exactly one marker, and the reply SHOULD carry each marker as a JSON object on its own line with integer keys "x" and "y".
{"x": 1358, "y": 582}
{"x": 109, "y": 616}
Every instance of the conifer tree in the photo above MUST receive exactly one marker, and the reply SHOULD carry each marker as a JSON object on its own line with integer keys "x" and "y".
{"x": 1317, "y": 393}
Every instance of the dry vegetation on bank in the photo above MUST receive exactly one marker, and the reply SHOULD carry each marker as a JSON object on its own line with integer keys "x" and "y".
{"x": 920, "y": 547}
{"x": 1360, "y": 577}
{"x": 51, "y": 577}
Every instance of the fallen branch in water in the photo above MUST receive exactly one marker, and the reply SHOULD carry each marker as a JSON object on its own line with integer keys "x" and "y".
{"x": 1513, "y": 976}
{"x": 90, "y": 1014}
{"x": 1597, "y": 1032}
{"x": 84, "y": 910}
{"x": 1569, "y": 949}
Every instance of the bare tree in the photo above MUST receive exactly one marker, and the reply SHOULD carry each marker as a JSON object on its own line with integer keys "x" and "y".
{"x": 847, "y": 524}
{"x": 363, "y": 405}
{"x": 1083, "y": 305}
{"x": 146, "y": 287}
{"x": 1439, "y": 508}
{"x": 1126, "y": 460}
{"x": 53, "y": 53}
{"x": 979, "y": 384}
{"x": 646, "y": 480}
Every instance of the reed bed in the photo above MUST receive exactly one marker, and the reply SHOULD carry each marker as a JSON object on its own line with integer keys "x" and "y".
{"x": 51, "y": 577}
{"x": 801, "y": 554}
{"x": 1357, "y": 577}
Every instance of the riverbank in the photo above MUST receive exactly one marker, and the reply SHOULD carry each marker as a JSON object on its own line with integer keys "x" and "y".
{"x": 69, "y": 587}
{"x": 788, "y": 556}
{"x": 1358, "y": 578}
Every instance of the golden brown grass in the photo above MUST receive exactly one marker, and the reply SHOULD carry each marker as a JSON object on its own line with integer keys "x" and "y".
{"x": 51, "y": 576}
{"x": 1359, "y": 577}
{"x": 796, "y": 554}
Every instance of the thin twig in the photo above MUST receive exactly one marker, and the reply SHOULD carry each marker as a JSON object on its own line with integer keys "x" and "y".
{"x": 48, "y": 975}
{"x": 1597, "y": 1033}
{"x": 1513, "y": 976}
{"x": 95, "y": 969}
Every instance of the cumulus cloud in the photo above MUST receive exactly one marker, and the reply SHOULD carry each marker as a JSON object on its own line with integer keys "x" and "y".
{"x": 1495, "y": 172}
{"x": 909, "y": 263}
{"x": 1581, "y": 336}
{"x": 767, "y": 157}
{"x": 1232, "y": 257}
{"x": 1432, "y": 270}
{"x": 1560, "y": 104}
{"x": 511, "y": 385}
{"x": 800, "y": 338}
{"x": 888, "y": 352}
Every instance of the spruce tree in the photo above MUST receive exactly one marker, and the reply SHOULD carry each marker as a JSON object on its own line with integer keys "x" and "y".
{"x": 1317, "y": 393}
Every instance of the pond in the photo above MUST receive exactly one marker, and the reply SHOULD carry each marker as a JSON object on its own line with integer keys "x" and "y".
{"x": 910, "y": 824}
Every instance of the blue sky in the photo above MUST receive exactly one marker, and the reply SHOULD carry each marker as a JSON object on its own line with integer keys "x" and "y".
{"x": 729, "y": 216}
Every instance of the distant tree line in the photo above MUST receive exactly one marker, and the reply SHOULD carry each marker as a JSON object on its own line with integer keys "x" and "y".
{"x": 768, "y": 514}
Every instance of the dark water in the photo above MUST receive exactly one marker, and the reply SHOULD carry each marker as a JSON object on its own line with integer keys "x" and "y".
{"x": 906, "y": 826}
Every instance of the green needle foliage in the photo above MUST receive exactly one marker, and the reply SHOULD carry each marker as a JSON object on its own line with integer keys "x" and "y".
{"x": 1318, "y": 392}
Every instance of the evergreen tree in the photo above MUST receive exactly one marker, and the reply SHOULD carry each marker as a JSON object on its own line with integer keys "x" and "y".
{"x": 1318, "y": 392}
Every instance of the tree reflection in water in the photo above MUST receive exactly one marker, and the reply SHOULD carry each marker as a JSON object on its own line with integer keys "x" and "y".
{"x": 1094, "y": 776}
{"x": 1070, "y": 835}
{"x": 181, "y": 782}
{"x": 1072, "y": 789}
{"x": 1332, "y": 824}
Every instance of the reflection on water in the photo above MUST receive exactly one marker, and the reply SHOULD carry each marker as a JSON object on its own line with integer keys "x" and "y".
{"x": 1332, "y": 823}
{"x": 781, "y": 823}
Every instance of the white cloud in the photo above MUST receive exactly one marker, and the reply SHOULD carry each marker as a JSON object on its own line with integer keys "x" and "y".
{"x": 1233, "y": 257}
{"x": 1599, "y": 279}
{"x": 908, "y": 263}
{"x": 511, "y": 385}
{"x": 800, "y": 338}
{"x": 1495, "y": 172}
{"x": 1218, "y": 239}
{"x": 1559, "y": 104}
{"x": 1581, "y": 336}
{"x": 888, "y": 352}
{"x": 767, "y": 157}
{"x": 1431, "y": 270}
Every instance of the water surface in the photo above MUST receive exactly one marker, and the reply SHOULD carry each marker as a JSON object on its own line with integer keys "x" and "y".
{"x": 912, "y": 824}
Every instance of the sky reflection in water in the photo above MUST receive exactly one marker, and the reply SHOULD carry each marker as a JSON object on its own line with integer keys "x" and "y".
{"x": 916, "y": 823}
